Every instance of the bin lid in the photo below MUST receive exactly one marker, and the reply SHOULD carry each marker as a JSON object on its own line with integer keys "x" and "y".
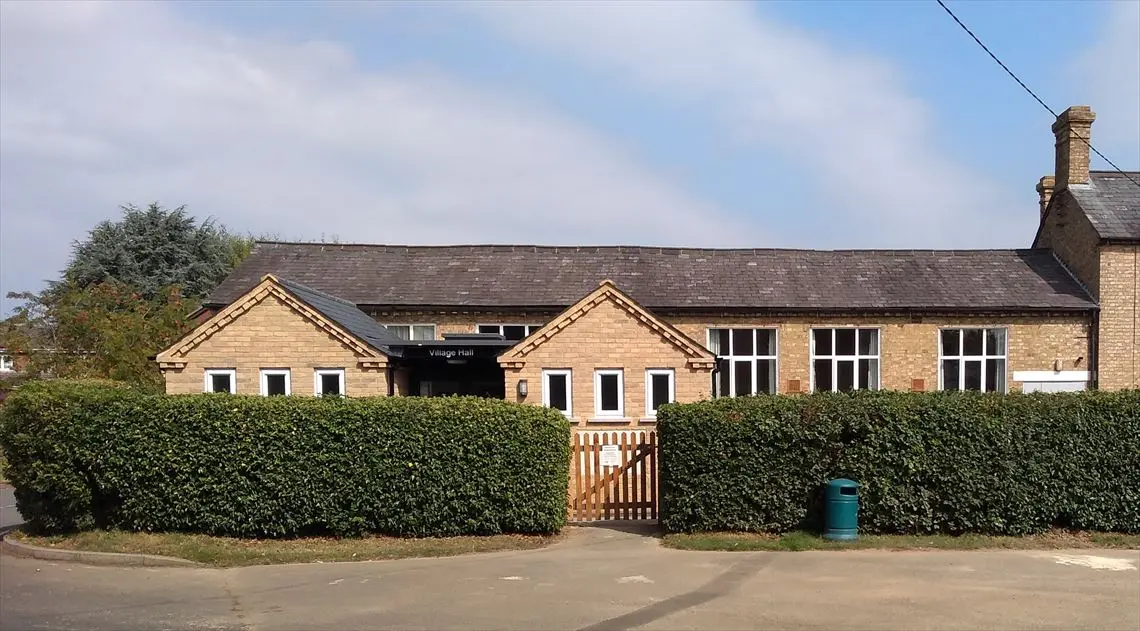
{"x": 844, "y": 489}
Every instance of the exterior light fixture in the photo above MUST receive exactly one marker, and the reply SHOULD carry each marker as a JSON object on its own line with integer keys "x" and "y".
{"x": 522, "y": 389}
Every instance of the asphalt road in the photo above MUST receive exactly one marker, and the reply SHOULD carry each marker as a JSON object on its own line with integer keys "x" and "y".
{"x": 598, "y": 579}
{"x": 8, "y": 514}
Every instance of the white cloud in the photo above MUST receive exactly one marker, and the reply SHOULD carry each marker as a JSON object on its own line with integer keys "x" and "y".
{"x": 1108, "y": 76}
{"x": 842, "y": 114}
{"x": 127, "y": 102}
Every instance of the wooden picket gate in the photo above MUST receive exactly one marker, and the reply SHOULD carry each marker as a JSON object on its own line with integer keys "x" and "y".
{"x": 625, "y": 490}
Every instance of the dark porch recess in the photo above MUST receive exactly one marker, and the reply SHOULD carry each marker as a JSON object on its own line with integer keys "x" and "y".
{"x": 459, "y": 364}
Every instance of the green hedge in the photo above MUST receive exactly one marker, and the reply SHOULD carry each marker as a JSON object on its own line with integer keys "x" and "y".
{"x": 927, "y": 462}
{"x": 87, "y": 455}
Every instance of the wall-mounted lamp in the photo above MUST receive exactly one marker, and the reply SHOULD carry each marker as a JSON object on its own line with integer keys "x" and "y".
{"x": 522, "y": 389}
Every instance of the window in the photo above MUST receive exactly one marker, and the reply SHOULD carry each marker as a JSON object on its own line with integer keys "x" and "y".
{"x": 221, "y": 380}
{"x": 412, "y": 331}
{"x": 274, "y": 382}
{"x": 608, "y": 394}
{"x": 510, "y": 331}
{"x": 658, "y": 390}
{"x": 972, "y": 359}
{"x": 328, "y": 381}
{"x": 845, "y": 359}
{"x": 7, "y": 364}
{"x": 556, "y": 391}
{"x": 746, "y": 361}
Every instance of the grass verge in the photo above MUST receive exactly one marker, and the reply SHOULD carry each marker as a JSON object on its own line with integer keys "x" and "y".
{"x": 796, "y": 541}
{"x": 230, "y": 552}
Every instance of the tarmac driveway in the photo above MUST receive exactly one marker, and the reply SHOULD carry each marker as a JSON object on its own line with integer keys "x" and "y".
{"x": 597, "y": 579}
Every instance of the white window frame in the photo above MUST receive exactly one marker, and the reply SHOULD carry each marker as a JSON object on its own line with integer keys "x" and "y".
{"x": 529, "y": 328}
{"x": 7, "y": 363}
{"x": 774, "y": 358}
{"x": 322, "y": 372}
{"x": 412, "y": 330}
{"x": 835, "y": 359}
{"x": 963, "y": 358}
{"x": 649, "y": 374}
{"x": 546, "y": 374}
{"x": 609, "y": 414}
{"x": 208, "y": 381}
{"x": 266, "y": 372}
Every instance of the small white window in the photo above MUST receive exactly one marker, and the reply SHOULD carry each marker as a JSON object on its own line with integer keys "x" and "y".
{"x": 659, "y": 390}
{"x": 512, "y": 332}
{"x": 972, "y": 359}
{"x": 413, "y": 332}
{"x": 275, "y": 382}
{"x": 557, "y": 391}
{"x": 7, "y": 364}
{"x": 221, "y": 380}
{"x": 328, "y": 381}
{"x": 609, "y": 394}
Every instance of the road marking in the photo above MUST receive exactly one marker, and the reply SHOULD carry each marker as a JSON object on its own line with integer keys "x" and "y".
{"x": 1094, "y": 562}
{"x": 635, "y": 579}
{"x": 8, "y": 506}
{"x": 337, "y": 581}
{"x": 512, "y": 578}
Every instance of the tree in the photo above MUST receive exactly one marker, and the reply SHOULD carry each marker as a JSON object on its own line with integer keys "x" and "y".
{"x": 107, "y": 330}
{"x": 154, "y": 249}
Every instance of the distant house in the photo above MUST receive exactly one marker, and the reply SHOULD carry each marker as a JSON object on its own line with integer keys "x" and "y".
{"x": 607, "y": 334}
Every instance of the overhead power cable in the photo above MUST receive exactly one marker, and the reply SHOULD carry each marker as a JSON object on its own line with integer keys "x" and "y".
{"x": 1031, "y": 93}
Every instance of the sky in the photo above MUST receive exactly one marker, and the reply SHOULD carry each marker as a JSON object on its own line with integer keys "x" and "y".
{"x": 800, "y": 124}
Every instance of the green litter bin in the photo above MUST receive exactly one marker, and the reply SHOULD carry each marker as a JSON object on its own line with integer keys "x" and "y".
{"x": 842, "y": 510}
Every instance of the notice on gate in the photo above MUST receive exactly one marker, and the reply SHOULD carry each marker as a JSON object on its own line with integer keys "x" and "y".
{"x": 611, "y": 456}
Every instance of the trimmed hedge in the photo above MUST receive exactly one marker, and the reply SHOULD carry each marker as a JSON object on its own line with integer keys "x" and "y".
{"x": 85, "y": 455}
{"x": 927, "y": 462}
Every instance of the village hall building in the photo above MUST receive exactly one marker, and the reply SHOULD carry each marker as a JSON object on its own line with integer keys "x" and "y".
{"x": 607, "y": 334}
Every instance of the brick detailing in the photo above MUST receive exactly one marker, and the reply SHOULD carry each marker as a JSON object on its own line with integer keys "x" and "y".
{"x": 607, "y": 330}
{"x": 268, "y": 331}
{"x": 1119, "y": 361}
{"x": 1073, "y": 131}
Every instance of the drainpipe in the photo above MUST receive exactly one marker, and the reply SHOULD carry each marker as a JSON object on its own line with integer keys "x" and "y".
{"x": 1094, "y": 350}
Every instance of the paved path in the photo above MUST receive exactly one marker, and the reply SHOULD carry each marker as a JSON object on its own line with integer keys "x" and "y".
{"x": 8, "y": 514}
{"x": 598, "y": 579}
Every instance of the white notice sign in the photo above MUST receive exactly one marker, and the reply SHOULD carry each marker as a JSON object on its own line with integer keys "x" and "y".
{"x": 611, "y": 456}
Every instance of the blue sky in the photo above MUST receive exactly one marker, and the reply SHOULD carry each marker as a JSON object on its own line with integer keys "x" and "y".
{"x": 805, "y": 124}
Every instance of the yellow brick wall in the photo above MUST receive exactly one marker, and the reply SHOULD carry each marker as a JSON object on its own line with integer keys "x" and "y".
{"x": 1119, "y": 317}
{"x": 909, "y": 349}
{"x": 1068, "y": 232}
{"x": 272, "y": 335}
{"x": 607, "y": 336}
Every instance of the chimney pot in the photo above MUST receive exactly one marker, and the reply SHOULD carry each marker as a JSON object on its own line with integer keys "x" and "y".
{"x": 1045, "y": 188}
{"x": 1073, "y": 131}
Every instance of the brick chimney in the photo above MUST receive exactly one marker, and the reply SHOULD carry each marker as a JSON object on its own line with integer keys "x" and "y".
{"x": 1073, "y": 130}
{"x": 1045, "y": 190}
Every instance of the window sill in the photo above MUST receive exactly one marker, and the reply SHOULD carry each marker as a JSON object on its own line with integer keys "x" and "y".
{"x": 647, "y": 421}
{"x": 610, "y": 420}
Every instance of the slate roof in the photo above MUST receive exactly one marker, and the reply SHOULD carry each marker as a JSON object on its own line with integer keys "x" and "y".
{"x": 682, "y": 279}
{"x": 344, "y": 313}
{"x": 1112, "y": 204}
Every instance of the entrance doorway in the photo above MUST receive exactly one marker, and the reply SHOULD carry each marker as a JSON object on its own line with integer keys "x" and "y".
{"x": 459, "y": 364}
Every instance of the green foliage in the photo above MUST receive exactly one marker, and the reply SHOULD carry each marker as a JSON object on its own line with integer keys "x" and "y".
{"x": 154, "y": 249}
{"x": 927, "y": 462}
{"x": 83, "y": 456}
{"x": 108, "y": 331}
